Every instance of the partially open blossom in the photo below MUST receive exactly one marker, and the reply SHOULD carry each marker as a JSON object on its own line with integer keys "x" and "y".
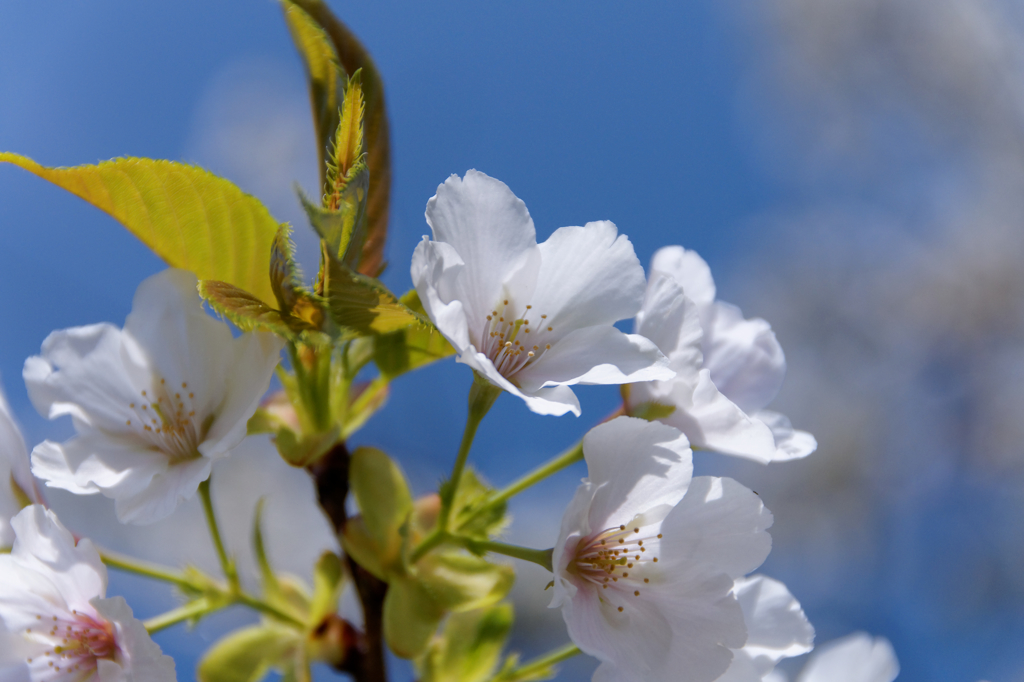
{"x": 776, "y": 628}
{"x": 854, "y": 658}
{"x": 728, "y": 369}
{"x": 56, "y": 623}
{"x": 532, "y": 318}
{"x": 154, "y": 404}
{"x": 647, "y": 558}
{"x": 16, "y": 483}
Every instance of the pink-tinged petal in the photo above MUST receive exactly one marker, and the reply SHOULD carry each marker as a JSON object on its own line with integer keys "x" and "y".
{"x": 635, "y": 466}
{"x": 854, "y": 658}
{"x": 719, "y": 525}
{"x": 436, "y": 269}
{"x": 94, "y": 462}
{"x": 776, "y": 628}
{"x": 588, "y": 276}
{"x": 165, "y": 491}
{"x": 671, "y": 320}
{"x": 45, "y": 544}
{"x": 253, "y": 359}
{"x": 82, "y": 372}
{"x": 596, "y": 355}
{"x": 746, "y": 361}
{"x": 633, "y": 641}
{"x": 713, "y": 422}
{"x": 689, "y": 270}
{"x": 182, "y": 343}
{"x": 789, "y": 442}
{"x": 490, "y": 229}
{"x": 139, "y": 658}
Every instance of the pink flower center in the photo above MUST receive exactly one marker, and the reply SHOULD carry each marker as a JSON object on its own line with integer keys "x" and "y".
{"x": 512, "y": 341}
{"x": 621, "y": 558}
{"x": 75, "y": 642}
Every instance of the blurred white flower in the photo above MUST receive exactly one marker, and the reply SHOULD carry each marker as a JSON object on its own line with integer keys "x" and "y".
{"x": 646, "y": 559}
{"x": 56, "y": 623}
{"x": 776, "y": 628}
{"x": 854, "y": 658}
{"x": 532, "y": 318}
{"x": 154, "y": 404}
{"x": 727, "y": 368}
{"x": 15, "y": 477}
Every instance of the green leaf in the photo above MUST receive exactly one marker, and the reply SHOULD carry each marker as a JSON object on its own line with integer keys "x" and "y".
{"x": 300, "y": 309}
{"x": 370, "y": 399}
{"x": 363, "y": 549}
{"x": 472, "y": 493}
{"x": 410, "y": 348}
{"x": 364, "y": 305}
{"x": 383, "y": 497}
{"x": 411, "y": 616}
{"x": 247, "y": 655}
{"x": 652, "y": 411}
{"x": 459, "y": 581}
{"x": 344, "y": 227}
{"x": 303, "y": 450}
{"x": 328, "y": 580}
{"x": 326, "y": 76}
{"x": 469, "y": 647}
{"x": 244, "y": 310}
{"x": 189, "y": 217}
{"x": 354, "y": 57}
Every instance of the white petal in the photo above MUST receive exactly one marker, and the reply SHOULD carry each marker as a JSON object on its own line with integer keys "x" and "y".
{"x": 588, "y": 276}
{"x": 713, "y": 422}
{"x": 436, "y": 270}
{"x": 746, "y": 361}
{"x": 14, "y": 468}
{"x": 82, "y": 372}
{"x": 140, "y": 657}
{"x": 164, "y": 493}
{"x": 181, "y": 342}
{"x": 94, "y": 462}
{"x": 789, "y": 442}
{"x": 491, "y": 231}
{"x": 596, "y": 355}
{"x": 725, "y": 520}
{"x": 46, "y": 545}
{"x": 854, "y": 658}
{"x": 671, "y": 320}
{"x": 634, "y": 466}
{"x": 688, "y": 270}
{"x": 253, "y": 358}
{"x": 776, "y": 627}
{"x": 553, "y": 400}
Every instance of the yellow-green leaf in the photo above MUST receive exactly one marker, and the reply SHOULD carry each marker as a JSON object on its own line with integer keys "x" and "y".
{"x": 410, "y": 348}
{"x": 347, "y": 149}
{"x": 469, "y": 647}
{"x": 411, "y": 617}
{"x": 243, "y": 309}
{"x": 344, "y": 228}
{"x": 354, "y": 57}
{"x": 459, "y": 581}
{"x": 247, "y": 655}
{"x": 189, "y": 217}
{"x": 364, "y": 305}
{"x": 382, "y": 495}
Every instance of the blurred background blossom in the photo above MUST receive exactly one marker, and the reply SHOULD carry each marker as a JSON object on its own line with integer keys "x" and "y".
{"x": 852, "y": 170}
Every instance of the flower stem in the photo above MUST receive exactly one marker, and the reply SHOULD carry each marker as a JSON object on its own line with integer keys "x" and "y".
{"x": 541, "y": 557}
{"x": 193, "y": 609}
{"x": 552, "y": 466}
{"x": 265, "y": 608}
{"x": 481, "y": 396}
{"x": 129, "y": 564}
{"x": 540, "y": 664}
{"x": 226, "y": 564}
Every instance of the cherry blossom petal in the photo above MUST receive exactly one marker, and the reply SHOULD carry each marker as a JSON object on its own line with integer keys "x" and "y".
{"x": 140, "y": 657}
{"x": 14, "y": 469}
{"x": 790, "y": 443}
{"x": 93, "y": 462}
{"x": 746, "y": 361}
{"x": 854, "y": 658}
{"x": 689, "y": 270}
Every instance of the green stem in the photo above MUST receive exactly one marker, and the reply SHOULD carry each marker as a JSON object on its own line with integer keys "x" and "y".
{"x": 272, "y": 611}
{"x": 553, "y": 466}
{"x": 193, "y": 609}
{"x": 139, "y": 567}
{"x": 541, "y": 664}
{"x": 541, "y": 557}
{"x": 481, "y": 396}
{"x": 226, "y": 564}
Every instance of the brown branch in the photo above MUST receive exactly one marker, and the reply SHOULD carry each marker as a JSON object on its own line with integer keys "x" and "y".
{"x": 365, "y": 661}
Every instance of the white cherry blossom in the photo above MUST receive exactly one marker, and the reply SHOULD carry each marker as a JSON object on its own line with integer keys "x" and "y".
{"x": 14, "y": 471}
{"x": 532, "y": 318}
{"x": 56, "y": 624}
{"x": 728, "y": 369}
{"x": 854, "y": 658}
{"x": 776, "y": 628}
{"x": 647, "y": 558}
{"x": 154, "y": 404}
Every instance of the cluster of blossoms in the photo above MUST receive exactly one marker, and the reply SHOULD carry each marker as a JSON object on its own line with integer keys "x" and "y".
{"x": 652, "y": 566}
